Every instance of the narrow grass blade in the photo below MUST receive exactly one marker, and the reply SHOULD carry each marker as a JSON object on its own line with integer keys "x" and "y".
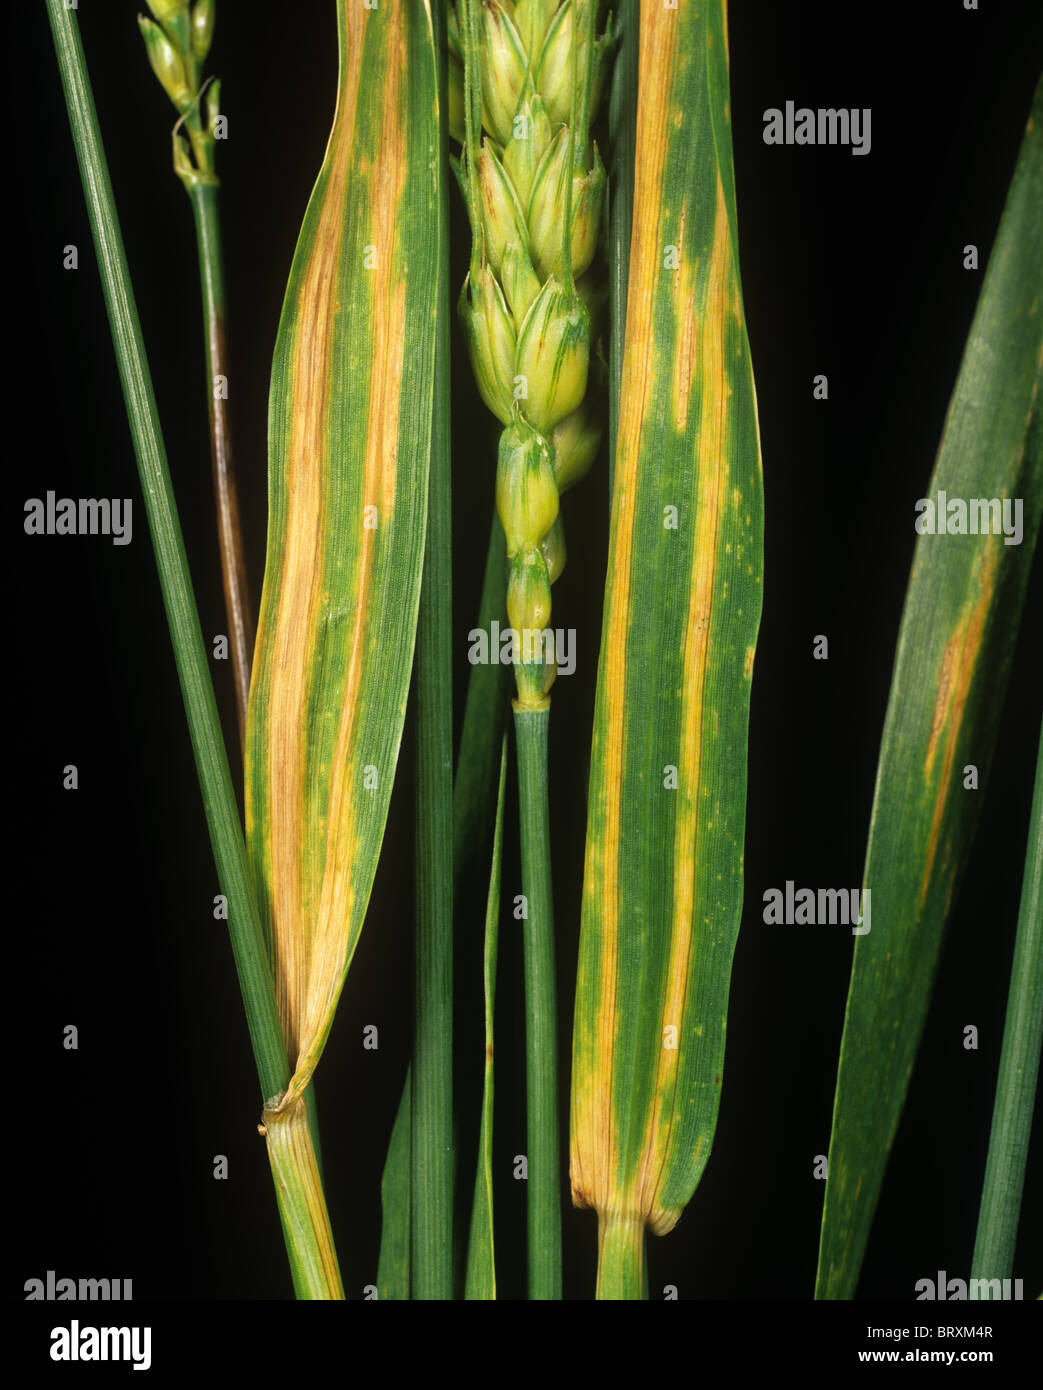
{"x": 393, "y": 1269}
{"x": 294, "y": 1167}
{"x": 960, "y": 620}
{"x": 350, "y": 436}
{"x": 662, "y": 893}
{"x": 1019, "y": 1068}
{"x": 432, "y": 1163}
{"x": 481, "y": 1252}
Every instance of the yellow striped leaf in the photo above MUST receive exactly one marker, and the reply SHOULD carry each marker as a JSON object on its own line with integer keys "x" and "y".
{"x": 349, "y": 441}
{"x": 960, "y": 622}
{"x": 663, "y": 876}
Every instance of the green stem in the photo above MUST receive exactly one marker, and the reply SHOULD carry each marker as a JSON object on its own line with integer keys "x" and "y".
{"x": 541, "y": 1043}
{"x": 431, "y": 1163}
{"x": 621, "y": 1258}
{"x": 1019, "y": 1067}
{"x": 215, "y": 781}
{"x": 204, "y": 199}
{"x": 480, "y": 1282}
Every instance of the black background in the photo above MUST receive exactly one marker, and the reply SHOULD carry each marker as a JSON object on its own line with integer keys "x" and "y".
{"x": 852, "y": 266}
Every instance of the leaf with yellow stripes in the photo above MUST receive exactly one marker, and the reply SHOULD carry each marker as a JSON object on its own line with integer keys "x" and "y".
{"x": 959, "y": 626}
{"x": 350, "y": 428}
{"x": 662, "y": 892}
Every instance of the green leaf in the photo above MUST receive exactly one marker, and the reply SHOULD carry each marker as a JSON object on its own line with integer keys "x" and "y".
{"x": 432, "y": 1065}
{"x": 481, "y": 1251}
{"x": 662, "y": 892}
{"x": 474, "y": 793}
{"x": 1019, "y": 1067}
{"x": 959, "y": 625}
{"x": 393, "y": 1269}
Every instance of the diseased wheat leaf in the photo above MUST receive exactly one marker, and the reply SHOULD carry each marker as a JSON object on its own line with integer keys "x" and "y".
{"x": 662, "y": 892}
{"x": 959, "y": 625}
{"x": 349, "y": 445}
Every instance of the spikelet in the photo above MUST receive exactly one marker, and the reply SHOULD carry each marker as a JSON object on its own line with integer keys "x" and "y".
{"x": 177, "y": 41}
{"x": 535, "y": 188}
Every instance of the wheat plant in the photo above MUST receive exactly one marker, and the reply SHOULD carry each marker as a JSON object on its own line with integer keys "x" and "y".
{"x": 589, "y": 152}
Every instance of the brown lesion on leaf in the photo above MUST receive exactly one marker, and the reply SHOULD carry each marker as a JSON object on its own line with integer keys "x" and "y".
{"x": 956, "y": 674}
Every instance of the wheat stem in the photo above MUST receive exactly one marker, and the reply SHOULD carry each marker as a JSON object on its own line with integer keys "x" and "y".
{"x": 541, "y": 1042}
{"x": 204, "y": 200}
